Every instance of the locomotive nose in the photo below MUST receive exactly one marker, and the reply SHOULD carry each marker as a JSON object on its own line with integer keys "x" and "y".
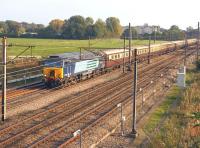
{"x": 52, "y": 76}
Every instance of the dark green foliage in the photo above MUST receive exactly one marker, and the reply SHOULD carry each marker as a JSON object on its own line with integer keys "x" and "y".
{"x": 198, "y": 65}
{"x": 134, "y": 33}
{"x": 75, "y": 28}
{"x": 89, "y": 21}
{"x": 78, "y": 27}
{"x": 15, "y": 28}
{"x": 99, "y": 29}
{"x": 3, "y": 28}
{"x": 47, "y": 33}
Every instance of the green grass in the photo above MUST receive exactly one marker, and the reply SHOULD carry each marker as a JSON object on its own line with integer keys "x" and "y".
{"x": 44, "y": 47}
{"x": 161, "y": 111}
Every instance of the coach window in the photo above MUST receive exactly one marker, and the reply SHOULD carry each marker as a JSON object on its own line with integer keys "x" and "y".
{"x": 115, "y": 56}
{"x": 112, "y": 57}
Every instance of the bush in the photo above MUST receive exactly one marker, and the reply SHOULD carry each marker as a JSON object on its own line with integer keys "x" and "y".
{"x": 198, "y": 65}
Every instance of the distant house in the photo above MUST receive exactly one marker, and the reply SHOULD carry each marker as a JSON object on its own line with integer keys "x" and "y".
{"x": 145, "y": 29}
{"x": 29, "y": 34}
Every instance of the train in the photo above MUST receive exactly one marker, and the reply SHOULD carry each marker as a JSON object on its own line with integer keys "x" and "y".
{"x": 72, "y": 67}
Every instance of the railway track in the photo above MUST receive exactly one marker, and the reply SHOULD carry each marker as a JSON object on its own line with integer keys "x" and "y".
{"x": 15, "y": 93}
{"x": 28, "y": 95}
{"x": 87, "y": 118}
{"x": 37, "y": 119}
{"x": 89, "y": 93}
{"x": 58, "y": 133}
{"x": 23, "y": 96}
{"x": 107, "y": 115}
{"x": 31, "y": 90}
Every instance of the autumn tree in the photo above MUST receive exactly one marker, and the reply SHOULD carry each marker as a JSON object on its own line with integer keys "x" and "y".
{"x": 113, "y": 27}
{"x": 56, "y": 25}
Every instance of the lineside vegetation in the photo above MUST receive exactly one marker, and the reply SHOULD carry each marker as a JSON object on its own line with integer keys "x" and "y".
{"x": 176, "y": 123}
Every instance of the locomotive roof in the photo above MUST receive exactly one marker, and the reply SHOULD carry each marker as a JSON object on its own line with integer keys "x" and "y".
{"x": 73, "y": 55}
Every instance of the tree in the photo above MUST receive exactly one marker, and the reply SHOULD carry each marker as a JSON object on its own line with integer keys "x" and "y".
{"x": 3, "y": 28}
{"x": 191, "y": 32}
{"x": 15, "y": 28}
{"x": 176, "y": 33}
{"x": 39, "y": 26}
{"x": 89, "y": 21}
{"x": 74, "y": 28}
{"x": 56, "y": 25}
{"x": 165, "y": 35}
{"x": 32, "y": 28}
{"x": 99, "y": 29}
{"x": 126, "y": 33}
{"x": 90, "y": 31}
{"x": 113, "y": 26}
{"x": 47, "y": 33}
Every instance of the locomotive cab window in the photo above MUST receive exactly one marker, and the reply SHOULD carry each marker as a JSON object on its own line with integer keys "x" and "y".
{"x": 52, "y": 73}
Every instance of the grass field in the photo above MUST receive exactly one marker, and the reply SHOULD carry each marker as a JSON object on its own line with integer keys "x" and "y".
{"x": 44, "y": 47}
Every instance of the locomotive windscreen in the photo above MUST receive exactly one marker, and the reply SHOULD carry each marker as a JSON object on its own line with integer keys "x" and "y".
{"x": 53, "y": 63}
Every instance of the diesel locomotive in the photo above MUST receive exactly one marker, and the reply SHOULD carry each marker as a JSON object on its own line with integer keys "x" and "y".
{"x": 68, "y": 67}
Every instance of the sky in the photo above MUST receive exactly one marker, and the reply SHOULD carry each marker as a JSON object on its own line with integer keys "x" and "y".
{"x": 165, "y": 13}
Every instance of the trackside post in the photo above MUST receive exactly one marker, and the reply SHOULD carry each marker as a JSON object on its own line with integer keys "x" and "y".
{"x": 130, "y": 38}
{"x": 3, "y": 106}
{"x": 134, "y": 132}
{"x": 149, "y": 50}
